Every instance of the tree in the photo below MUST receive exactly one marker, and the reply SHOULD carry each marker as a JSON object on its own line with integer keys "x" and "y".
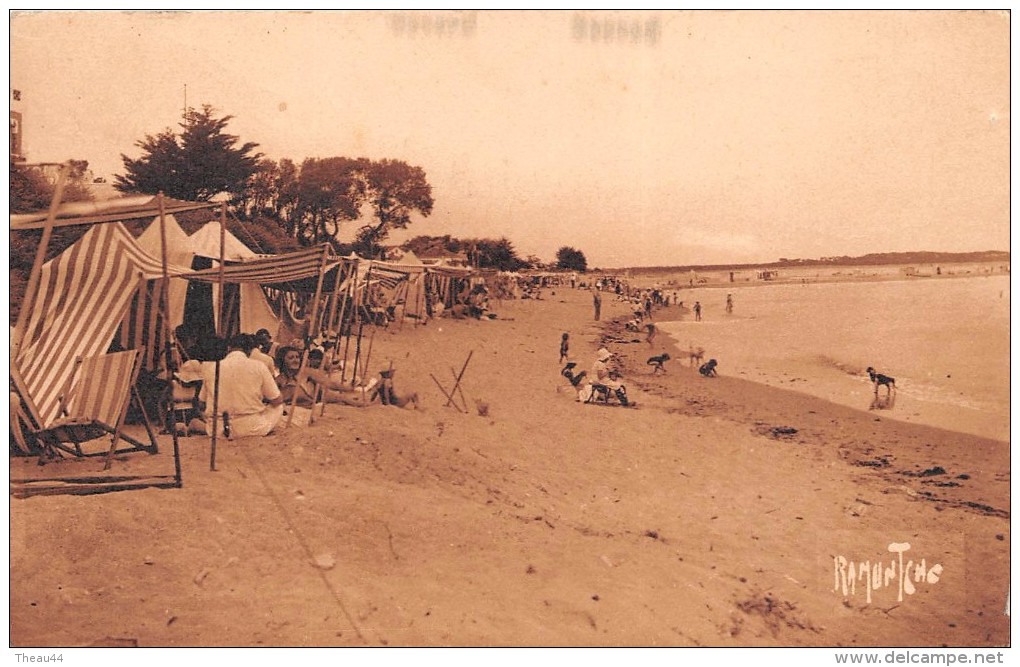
{"x": 200, "y": 162}
{"x": 571, "y": 259}
{"x": 327, "y": 192}
{"x": 30, "y": 190}
{"x": 494, "y": 254}
{"x": 394, "y": 190}
{"x": 425, "y": 245}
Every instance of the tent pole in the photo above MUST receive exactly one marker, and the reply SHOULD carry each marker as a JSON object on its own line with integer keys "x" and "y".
{"x": 407, "y": 290}
{"x": 417, "y": 301}
{"x": 314, "y": 328}
{"x": 328, "y": 361}
{"x": 313, "y": 321}
{"x": 219, "y": 329}
{"x": 361, "y": 321}
{"x": 344, "y": 312}
{"x": 164, "y": 302}
{"x": 28, "y": 301}
{"x": 338, "y": 306}
{"x": 368, "y": 355}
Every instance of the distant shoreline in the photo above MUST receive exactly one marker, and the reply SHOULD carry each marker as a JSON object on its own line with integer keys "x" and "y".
{"x": 753, "y": 275}
{"x": 874, "y": 259}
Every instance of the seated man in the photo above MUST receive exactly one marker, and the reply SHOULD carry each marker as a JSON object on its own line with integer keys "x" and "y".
{"x": 603, "y": 380}
{"x": 263, "y": 342}
{"x": 248, "y": 394}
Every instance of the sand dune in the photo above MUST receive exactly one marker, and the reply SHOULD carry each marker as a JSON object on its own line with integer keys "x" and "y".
{"x": 713, "y": 514}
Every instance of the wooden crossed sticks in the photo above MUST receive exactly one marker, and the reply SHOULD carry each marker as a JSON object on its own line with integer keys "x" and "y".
{"x": 450, "y": 395}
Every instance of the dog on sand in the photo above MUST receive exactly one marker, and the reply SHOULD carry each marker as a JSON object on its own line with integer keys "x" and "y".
{"x": 708, "y": 368}
{"x": 879, "y": 380}
{"x": 695, "y": 355}
{"x": 658, "y": 363}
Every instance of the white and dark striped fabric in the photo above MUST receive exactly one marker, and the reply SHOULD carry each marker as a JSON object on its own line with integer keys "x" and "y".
{"x": 100, "y": 390}
{"x": 297, "y": 265}
{"x": 83, "y": 295}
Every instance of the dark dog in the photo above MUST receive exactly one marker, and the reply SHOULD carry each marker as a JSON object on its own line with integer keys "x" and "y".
{"x": 658, "y": 362}
{"x": 708, "y": 368}
{"x": 600, "y": 393}
{"x": 880, "y": 380}
{"x": 572, "y": 378}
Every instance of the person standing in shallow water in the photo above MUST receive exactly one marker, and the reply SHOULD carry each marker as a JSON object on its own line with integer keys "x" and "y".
{"x": 729, "y": 304}
{"x": 597, "y": 302}
{"x": 697, "y": 311}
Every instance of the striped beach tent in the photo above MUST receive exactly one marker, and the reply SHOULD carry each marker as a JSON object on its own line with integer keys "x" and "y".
{"x": 82, "y": 297}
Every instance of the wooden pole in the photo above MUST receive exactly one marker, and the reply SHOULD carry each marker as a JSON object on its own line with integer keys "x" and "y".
{"x": 361, "y": 321}
{"x": 457, "y": 384}
{"x": 405, "y": 289}
{"x": 368, "y": 356}
{"x": 327, "y": 361}
{"x": 438, "y": 384}
{"x": 460, "y": 390}
{"x": 418, "y": 312}
{"x": 341, "y": 306}
{"x": 219, "y": 329}
{"x": 311, "y": 319}
{"x": 314, "y": 329}
{"x": 349, "y": 303}
{"x": 165, "y": 304}
{"x": 28, "y": 302}
{"x": 313, "y": 323}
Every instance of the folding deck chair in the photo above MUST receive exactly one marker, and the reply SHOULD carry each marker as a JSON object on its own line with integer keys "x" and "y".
{"x": 94, "y": 403}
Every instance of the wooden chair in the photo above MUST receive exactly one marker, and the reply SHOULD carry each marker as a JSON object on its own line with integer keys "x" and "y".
{"x": 94, "y": 403}
{"x": 182, "y": 404}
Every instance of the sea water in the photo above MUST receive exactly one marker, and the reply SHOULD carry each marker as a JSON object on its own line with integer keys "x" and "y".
{"x": 945, "y": 340}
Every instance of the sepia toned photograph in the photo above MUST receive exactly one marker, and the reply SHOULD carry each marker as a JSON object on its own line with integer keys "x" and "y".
{"x": 577, "y": 328}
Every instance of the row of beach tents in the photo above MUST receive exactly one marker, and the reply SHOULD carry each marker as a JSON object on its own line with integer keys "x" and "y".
{"x": 110, "y": 291}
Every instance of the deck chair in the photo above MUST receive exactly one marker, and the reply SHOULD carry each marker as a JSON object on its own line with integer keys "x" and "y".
{"x": 25, "y": 419}
{"x": 182, "y": 405}
{"x": 94, "y": 403}
{"x": 19, "y": 420}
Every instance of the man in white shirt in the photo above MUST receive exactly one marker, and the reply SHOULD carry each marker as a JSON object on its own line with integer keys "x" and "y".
{"x": 258, "y": 355}
{"x": 248, "y": 392}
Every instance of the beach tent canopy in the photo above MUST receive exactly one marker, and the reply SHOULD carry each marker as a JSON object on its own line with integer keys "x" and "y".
{"x": 179, "y": 252}
{"x": 110, "y": 210}
{"x": 274, "y": 270}
{"x": 409, "y": 261}
{"x": 206, "y": 242}
{"x": 414, "y": 291}
{"x": 254, "y": 312}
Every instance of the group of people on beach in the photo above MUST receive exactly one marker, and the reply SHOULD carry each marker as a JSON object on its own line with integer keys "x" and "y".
{"x": 604, "y": 379}
{"x": 263, "y": 386}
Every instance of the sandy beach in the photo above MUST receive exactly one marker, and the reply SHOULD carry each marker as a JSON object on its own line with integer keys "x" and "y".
{"x": 719, "y": 512}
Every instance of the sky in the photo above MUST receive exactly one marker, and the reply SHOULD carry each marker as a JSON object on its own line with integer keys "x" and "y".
{"x": 641, "y": 138}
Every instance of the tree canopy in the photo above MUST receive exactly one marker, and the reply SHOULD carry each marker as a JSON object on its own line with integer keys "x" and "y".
{"x": 394, "y": 190}
{"x": 196, "y": 164}
{"x": 313, "y": 201}
{"x": 571, "y": 259}
{"x": 482, "y": 253}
